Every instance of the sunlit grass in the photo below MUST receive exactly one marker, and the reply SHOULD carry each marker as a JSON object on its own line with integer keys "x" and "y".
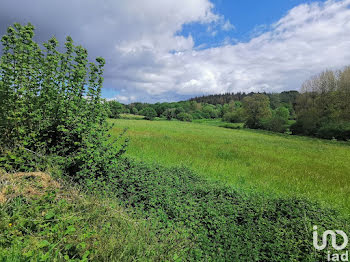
{"x": 258, "y": 160}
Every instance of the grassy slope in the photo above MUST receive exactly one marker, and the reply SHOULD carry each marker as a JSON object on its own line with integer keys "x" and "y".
{"x": 44, "y": 220}
{"x": 282, "y": 164}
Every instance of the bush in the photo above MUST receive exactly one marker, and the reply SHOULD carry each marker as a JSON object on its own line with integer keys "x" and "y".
{"x": 149, "y": 113}
{"x": 275, "y": 124}
{"x": 197, "y": 115}
{"x": 225, "y": 224}
{"x": 169, "y": 113}
{"x": 54, "y": 109}
{"x": 115, "y": 109}
{"x": 184, "y": 117}
{"x": 234, "y": 117}
{"x": 339, "y": 131}
{"x": 134, "y": 111}
{"x": 278, "y": 122}
{"x": 209, "y": 111}
{"x": 256, "y": 109}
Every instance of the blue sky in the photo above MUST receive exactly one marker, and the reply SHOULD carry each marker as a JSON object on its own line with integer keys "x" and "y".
{"x": 249, "y": 17}
{"x": 171, "y": 50}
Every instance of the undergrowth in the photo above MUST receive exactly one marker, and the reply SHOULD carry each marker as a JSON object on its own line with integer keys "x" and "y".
{"x": 226, "y": 224}
{"x": 43, "y": 220}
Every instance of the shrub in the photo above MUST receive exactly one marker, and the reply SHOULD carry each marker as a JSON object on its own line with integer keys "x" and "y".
{"x": 275, "y": 124}
{"x": 134, "y": 111}
{"x": 339, "y": 131}
{"x": 225, "y": 224}
{"x": 256, "y": 108}
{"x": 184, "y": 117}
{"x": 149, "y": 113}
{"x": 307, "y": 124}
{"x": 115, "y": 109}
{"x": 209, "y": 111}
{"x": 169, "y": 113}
{"x": 236, "y": 116}
{"x": 197, "y": 115}
{"x": 51, "y": 105}
{"x": 278, "y": 122}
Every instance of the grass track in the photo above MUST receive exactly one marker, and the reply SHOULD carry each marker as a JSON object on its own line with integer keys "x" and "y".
{"x": 257, "y": 160}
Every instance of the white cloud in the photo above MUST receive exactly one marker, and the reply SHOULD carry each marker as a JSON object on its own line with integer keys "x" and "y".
{"x": 227, "y": 26}
{"x": 310, "y": 38}
{"x": 148, "y": 60}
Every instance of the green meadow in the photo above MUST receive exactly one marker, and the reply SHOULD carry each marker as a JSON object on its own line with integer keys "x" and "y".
{"x": 249, "y": 159}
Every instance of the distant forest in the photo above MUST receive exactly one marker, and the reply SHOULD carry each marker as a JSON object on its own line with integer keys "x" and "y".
{"x": 284, "y": 97}
{"x": 321, "y": 109}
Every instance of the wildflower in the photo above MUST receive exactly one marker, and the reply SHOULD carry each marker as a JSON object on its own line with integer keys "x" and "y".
{"x": 10, "y": 224}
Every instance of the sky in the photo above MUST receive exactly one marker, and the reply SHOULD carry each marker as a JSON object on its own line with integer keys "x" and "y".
{"x": 171, "y": 50}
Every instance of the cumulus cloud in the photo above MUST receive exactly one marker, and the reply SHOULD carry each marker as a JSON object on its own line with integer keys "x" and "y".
{"x": 148, "y": 60}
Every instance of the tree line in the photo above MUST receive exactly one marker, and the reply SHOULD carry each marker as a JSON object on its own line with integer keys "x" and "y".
{"x": 320, "y": 109}
{"x": 323, "y": 107}
{"x": 196, "y": 107}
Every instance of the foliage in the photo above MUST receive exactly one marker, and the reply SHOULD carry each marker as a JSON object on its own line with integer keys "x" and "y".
{"x": 169, "y": 113}
{"x": 115, "y": 109}
{"x": 278, "y": 122}
{"x": 225, "y": 224}
{"x": 149, "y": 113}
{"x": 226, "y": 106}
{"x": 51, "y": 106}
{"x": 339, "y": 131}
{"x": 237, "y": 116}
{"x": 256, "y": 109}
{"x": 323, "y": 108}
{"x": 184, "y": 117}
{"x": 43, "y": 220}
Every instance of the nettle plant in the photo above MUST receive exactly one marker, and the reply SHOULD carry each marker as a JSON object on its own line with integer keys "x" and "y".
{"x": 51, "y": 105}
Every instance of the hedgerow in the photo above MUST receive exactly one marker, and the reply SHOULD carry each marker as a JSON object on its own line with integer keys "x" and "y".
{"x": 225, "y": 223}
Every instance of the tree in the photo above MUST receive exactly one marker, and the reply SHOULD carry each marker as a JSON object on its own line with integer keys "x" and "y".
{"x": 50, "y": 104}
{"x": 236, "y": 116}
{"x": 170, "y": 113}
{"x": 256, "y": 108}
{"x": 115, "y": 109}
{"x": 149, "y": 113}
{"x": 184, "y": 117}
{"x": 322, "y": 108}
{"x": 278, "y": 121}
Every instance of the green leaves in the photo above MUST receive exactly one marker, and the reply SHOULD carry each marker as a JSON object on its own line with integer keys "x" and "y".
{"x": 50, "y": 104}
{"x": 225, "y": 224}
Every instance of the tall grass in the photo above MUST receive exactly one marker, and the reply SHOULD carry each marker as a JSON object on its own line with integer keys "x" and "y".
{"x": 44, "y": 220}
{"x": 258, "y": 160}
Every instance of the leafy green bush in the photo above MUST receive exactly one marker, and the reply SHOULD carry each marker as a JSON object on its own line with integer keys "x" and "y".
{"x": 278, "y": 122}
{"x": 235, "y": 116}
{"x": 184, "y": 117}
{"x": 169, "y": 113}
{"x": 256, "y": 109}
{"x": 225, "y": 224}
{"x": 339, "y": 131}
{"x": 196, "y": 115}
{"x": 115, "y": 109}
{"x": 149, "y": 113}
{"x": 51, "y": 106}
{"x": 275, "y": 124}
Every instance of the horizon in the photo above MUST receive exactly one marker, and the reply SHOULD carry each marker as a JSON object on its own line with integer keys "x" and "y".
{"x": 201, "y": 96}
{"x": 174, "y": 50}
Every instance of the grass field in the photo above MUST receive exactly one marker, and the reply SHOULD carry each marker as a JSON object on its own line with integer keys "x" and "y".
{"x": 256, "y": 160}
